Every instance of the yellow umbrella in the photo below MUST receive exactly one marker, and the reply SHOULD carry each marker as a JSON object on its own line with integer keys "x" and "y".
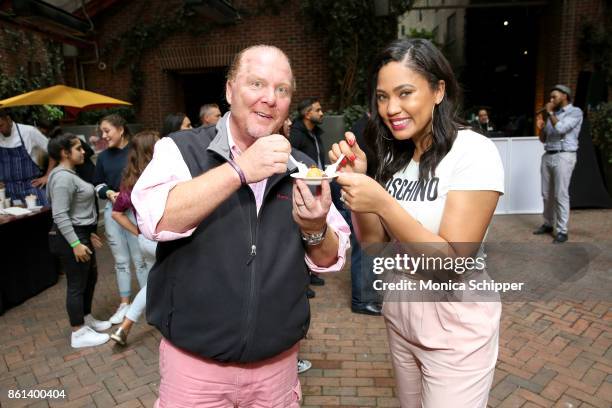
{"x": 64, "y": 96}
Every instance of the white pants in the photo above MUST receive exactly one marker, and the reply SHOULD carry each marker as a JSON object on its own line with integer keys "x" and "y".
{"x": 147, "y": 247}
{"x": 556, "y": 172}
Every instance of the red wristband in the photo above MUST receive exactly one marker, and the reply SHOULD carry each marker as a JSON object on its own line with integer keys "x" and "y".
{"x": 238, "y": 170}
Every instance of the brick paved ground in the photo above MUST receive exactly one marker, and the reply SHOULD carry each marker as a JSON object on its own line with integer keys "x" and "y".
{"x": 551, "y": 354}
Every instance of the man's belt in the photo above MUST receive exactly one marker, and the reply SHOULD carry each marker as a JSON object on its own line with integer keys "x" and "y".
{"x": 559, "y": 151}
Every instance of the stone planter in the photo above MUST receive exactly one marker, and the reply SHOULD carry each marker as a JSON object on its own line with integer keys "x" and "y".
{"x": 606, "y": 171}
{"x": 333, "y": 130}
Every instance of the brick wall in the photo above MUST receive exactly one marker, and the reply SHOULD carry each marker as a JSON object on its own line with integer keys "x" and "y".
{"x": 559, "y": 60}
{"x": 18, "y": 47}
{"x": 161, "y": 91}
{"x": 558, "y": 57}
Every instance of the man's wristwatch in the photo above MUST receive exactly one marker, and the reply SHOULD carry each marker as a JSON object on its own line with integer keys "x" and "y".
{"x": 314, "y": 239}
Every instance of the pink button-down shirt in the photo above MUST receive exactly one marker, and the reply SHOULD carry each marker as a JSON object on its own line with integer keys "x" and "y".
{"x": 167, "y": 169}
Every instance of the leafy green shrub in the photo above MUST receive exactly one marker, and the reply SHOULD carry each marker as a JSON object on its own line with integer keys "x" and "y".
{"x": 353, "y": 36}
{"x": 601, "y": 125}
{"x": 352, "y": 114}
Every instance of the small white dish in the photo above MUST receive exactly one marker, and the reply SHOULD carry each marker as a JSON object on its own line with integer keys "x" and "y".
{"x": 35, "y": 208}
{"x": 313, "y": 181}
{"x": 16, "y": 211}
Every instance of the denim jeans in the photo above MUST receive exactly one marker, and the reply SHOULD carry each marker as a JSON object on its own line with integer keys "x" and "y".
{"x": 124, "y": 247}
{"x": 138, "y": 306}
{"x": 147, "y": 247}
{"x": 362, "y": 277}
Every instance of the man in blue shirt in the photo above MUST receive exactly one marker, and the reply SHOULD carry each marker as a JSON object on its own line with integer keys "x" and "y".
{"x": 559, "y": 133}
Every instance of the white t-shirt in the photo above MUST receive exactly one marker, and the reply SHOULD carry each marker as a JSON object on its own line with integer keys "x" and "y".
{"x": 473, "y": 163}
{"x": 33, "y": 140}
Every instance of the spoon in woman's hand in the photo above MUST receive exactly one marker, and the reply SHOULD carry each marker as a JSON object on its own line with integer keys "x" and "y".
{"x": 330, "y": 171}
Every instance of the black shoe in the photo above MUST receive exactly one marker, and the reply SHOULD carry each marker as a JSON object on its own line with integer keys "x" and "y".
{"x": 310, "y": 293}
{"x": 316, "y": 281}
{"x": 371, "y": 308}
{"x": 560, "y": 238}
{"x": 544, "y": 229}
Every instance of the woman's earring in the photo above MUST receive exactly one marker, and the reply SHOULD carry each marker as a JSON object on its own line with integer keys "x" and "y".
{"x": 387, "y": 138}
{"x": 433, "y": 111}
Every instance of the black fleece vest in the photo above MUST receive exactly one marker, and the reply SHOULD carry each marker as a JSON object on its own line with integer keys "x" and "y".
{"x": 235, "y": 290}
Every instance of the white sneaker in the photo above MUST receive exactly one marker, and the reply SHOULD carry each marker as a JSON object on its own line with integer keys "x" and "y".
{"x": 303, "y": 366}
{"x": 119, "y": 314}
{"x": 87, "y": 337}
{"x": 97, "y": 325}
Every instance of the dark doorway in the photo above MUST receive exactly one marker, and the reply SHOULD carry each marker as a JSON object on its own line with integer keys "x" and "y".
{"x": 203, "y": 87}
{"x": 500, "y": 70}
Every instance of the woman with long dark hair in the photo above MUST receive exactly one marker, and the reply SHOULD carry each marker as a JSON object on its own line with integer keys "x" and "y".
{"x": 107, "y": 179}
{"x": 141, "y": 153}
{"x": 174, "y": 122}
{"x": 436, "y": 186}
{"x": 73, "y": 238}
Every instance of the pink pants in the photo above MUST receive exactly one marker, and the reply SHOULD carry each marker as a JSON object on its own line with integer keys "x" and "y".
{"x": 443, "y": 353}
{"x": 190, "y": 381}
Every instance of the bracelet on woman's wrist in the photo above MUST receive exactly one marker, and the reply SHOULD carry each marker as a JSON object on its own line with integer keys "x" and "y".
{"x": 75, "y": 244}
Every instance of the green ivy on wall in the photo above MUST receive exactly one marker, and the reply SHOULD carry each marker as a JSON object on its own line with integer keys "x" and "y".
{"x": 142, "y": 37}
{"x": 22, "y": 81}
{"x": 595, "y": 46}
{"x": 353, "y": 35}
{"x": 601, "y": 125}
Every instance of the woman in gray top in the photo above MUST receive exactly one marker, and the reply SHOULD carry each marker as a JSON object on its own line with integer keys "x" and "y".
{"x": 72, "y": 238}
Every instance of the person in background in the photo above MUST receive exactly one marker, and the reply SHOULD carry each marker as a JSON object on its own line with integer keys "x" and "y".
{"x": 87, "y": 169}
{"x": 73, "y": 238}
{"x": 174, "y": 122}
{"x": 364, "y": 299}
{"x": 286, "y": 131}
{"x": 49, "y": 128}
{"x": 18, "y": 154}
{"x": 482, "y": 123}
{"x": 306, "y": 133}
{"x": 107, "y": 179}
{"x": 210, "y": 114}
{"x": 303, "y": 365}
{"x": 141, "y": 152}
{"x": 306, "y": 137}
{"x": 559, "y": 133}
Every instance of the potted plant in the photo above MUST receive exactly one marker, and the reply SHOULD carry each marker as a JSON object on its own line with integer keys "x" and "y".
{"x": 601, "y": 123}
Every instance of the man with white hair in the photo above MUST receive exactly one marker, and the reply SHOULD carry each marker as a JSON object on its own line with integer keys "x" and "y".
{"x": 210, "y": 114}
